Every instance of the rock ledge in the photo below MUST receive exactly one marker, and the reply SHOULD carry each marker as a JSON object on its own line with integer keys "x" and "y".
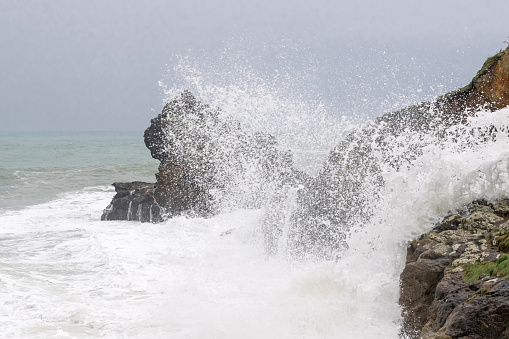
{"x": 446, "y": 290}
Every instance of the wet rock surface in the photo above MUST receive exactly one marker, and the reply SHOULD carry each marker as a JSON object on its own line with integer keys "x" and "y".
{"x": 456, "y": 280}
{"x": 346, "y": 191}
{"x": 133, "y": 201}
{"x": 207, "y": 163}
{"x": 455, "y": 283}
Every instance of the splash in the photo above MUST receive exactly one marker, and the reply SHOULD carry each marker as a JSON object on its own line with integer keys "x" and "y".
{"x": 345, "y": 193}
{"x": 323, "y": 255}
{"x": 280, "y": 100}
{"x": 382, "y": 186}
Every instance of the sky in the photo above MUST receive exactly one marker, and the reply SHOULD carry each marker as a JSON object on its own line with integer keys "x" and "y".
{"x": 97, "y": 65}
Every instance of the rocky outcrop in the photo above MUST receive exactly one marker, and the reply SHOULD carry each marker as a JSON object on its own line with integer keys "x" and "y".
{"x": 456, "y": 280}
{"x": 133, "y": 201}
{"x": 489, "y": 88}
{"x": 346, "y": 191}
{"x": 207, "y": 164}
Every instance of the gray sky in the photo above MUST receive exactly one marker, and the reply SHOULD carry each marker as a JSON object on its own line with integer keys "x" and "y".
{"x": 95, "y": 65}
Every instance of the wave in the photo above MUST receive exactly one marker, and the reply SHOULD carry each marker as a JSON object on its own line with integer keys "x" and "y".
{"x": 65, "y": 273}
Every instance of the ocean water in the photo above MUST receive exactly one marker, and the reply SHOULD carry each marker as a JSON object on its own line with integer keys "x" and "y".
{"x": 37, "y": 166}
{"x": 66, "y": 274}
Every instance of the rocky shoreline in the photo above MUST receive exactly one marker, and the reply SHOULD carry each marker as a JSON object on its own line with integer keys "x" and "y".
{"x": 456, "y": 280}
{"x": 455, "y": 283}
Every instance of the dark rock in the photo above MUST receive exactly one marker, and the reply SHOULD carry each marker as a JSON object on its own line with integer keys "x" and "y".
{"x": 476, "y": 310}
{"x": 419, "y": 281}
{"x": 502, "y": 208}
{"x": 438, "y": 299}
{"x": 451, "y": 222}
{"x": 207, "y": 163}
{"x": 133, "y": 201}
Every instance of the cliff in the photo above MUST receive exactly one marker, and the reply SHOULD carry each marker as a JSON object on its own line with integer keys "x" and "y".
{"x": 346, "y": 191}
{"x": 455, "y": 283}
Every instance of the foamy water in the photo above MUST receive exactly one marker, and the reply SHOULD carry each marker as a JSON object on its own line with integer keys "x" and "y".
{"x": 65, "y": 274}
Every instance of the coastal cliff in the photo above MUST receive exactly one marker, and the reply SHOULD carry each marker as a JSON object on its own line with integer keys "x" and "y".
{"x": 455, "y": 283}
{"x": 346, "y": 191}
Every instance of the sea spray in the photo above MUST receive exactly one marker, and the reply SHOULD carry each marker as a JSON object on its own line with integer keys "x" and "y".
{"x": 64, "y": 272}
{"x": 281, "y": 102}
{"x": 384, "y": 186}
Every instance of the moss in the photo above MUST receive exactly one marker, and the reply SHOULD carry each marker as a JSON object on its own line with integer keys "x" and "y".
{"x": 503, "y": 242}
{"x": 500, "y": 268}
{"x": 449, "y": 243}
{"x": 481, "y": 291}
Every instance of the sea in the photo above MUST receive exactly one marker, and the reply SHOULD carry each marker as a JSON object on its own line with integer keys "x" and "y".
{"x": 66, "y": 274}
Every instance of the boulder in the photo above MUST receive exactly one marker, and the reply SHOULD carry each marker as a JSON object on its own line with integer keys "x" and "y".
{"x": 133, "y": 201}
{"x": 455, "y": 283}
{"x": 208, "y": 163}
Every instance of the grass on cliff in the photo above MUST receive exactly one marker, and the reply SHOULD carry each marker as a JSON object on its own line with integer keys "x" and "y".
{"x": 499, "y": 268}
{"x": 485, "y": 67}
{"x": 503, "y": 242}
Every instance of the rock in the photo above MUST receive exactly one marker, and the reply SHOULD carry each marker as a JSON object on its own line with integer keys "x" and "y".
{"x": 470, "y": 310}
{"x": 186, "y": 138}
{"x": 456, "y": 282}
{"x": 207, "y": 164}
{"x": 482, "y": 221}
{"x": 502, "y": 208}
{"x": 451, "y": 222}
{"x": 133, "y": 201}
{"x": 419, "y": 281}
{"x": 346, "y": 191}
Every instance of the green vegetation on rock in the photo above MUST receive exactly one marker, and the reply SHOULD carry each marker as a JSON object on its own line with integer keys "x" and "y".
{"x": 499, "y": 268}
{"x": 503, "y": 242}
{"x": 485, "y": 67}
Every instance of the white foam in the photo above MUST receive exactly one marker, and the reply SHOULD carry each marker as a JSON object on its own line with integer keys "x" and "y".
{"x": 65, "y": 274}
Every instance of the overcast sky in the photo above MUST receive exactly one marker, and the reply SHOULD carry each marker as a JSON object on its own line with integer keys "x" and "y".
{"x": 96, "y": 64}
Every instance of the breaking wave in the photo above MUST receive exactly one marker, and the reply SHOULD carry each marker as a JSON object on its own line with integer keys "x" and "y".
{"x": 327, "y": 266}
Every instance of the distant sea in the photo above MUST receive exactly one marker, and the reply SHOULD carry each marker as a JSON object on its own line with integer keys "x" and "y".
{"x": 36, "y": 167}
